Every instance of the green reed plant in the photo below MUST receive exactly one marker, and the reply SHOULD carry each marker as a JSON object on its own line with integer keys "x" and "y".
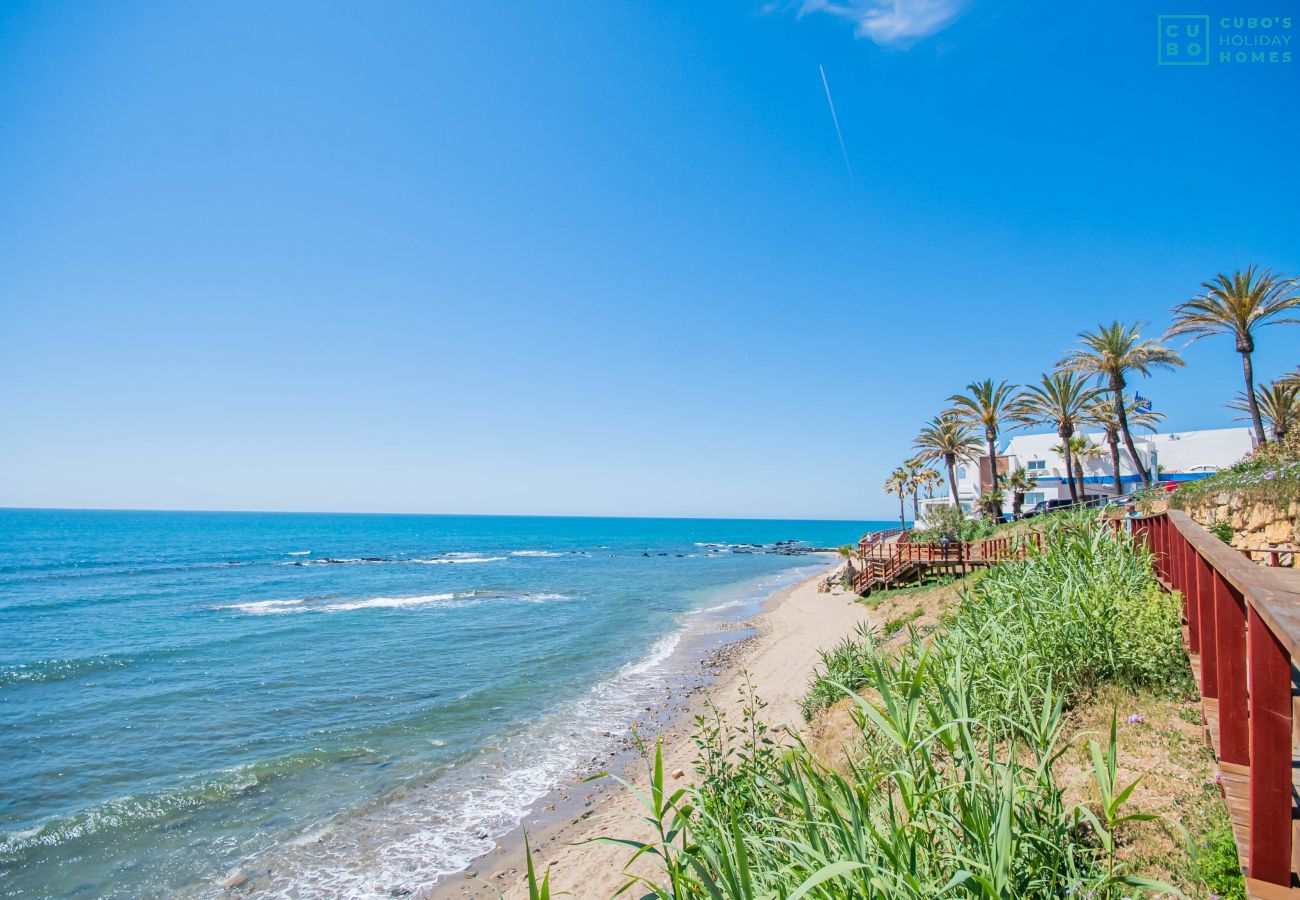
{"x": 950, "y": 788}
{"x": 953, "y": 811}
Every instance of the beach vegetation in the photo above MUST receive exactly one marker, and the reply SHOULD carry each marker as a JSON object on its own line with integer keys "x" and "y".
{"x": 1238, "y": 305}
{"x": 1060, "y": 400}
{"x": 986, "y": 405}
{"x": 1277, "y": 404}
{"x": 951, "y": 785}
{"x": 919, "y": 478}
{"x": 950, "y": 523}
{"x": 1264, "y": 478}
{"x": 1217, "y": 865}
{"x": 1111, "y": 354}
{"x": 1102, "y": 413}
{"x": 945, "y": 439}
{"x": 1019, "y": 482}
{"x": 899, "y": 483}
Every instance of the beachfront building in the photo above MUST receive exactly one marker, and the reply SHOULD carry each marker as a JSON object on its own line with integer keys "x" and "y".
{"x": 1173, "y": 456}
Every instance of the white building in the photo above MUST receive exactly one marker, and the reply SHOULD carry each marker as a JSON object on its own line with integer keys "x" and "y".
{"x": 1176, "y": 456}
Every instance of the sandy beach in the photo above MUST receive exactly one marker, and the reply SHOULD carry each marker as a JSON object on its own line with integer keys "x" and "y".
{"x": 795, "y": 624}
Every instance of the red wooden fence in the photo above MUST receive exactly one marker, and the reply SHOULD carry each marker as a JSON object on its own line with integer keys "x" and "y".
{"x": 1243, "y": 634}
{"x": 882, "y": 562}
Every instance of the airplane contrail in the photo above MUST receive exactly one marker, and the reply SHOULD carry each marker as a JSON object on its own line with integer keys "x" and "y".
{"x": 836, "y": 120}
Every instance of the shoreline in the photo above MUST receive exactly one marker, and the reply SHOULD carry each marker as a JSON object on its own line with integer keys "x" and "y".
{"x": 778, "y": 648}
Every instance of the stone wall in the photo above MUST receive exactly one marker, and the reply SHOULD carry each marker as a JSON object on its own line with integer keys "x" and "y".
{"x": 1255, "y": 525}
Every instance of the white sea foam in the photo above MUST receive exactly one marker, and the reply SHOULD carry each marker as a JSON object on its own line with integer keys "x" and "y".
{"x": 385, "y": 602}
{"x": 266, "y": 607}
{"x": 451, "y": 560}
{"x": 415, "y": 837}
{"x": 446, "y": 600}
{"x": 298, "y": 553}
{"x": 537, "y": 553}
{"x": 436, "y": 829}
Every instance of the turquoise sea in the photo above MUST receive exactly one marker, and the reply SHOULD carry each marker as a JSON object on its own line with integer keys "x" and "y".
{"x": 350, "y": 705}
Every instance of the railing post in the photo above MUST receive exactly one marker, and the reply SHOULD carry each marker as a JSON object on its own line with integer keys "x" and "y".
{"x": 1187, "y": 584}
{"x": 1205, "y": 610}
{"x": 1165, "y": 567}
{"x": 1270, "y": 754}
{"x": 1167, "y": 548}
{"x": 1230, "y": 650}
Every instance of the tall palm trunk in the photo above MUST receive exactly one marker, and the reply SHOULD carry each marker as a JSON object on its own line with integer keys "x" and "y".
{"x": 1069, "y": 463}
{"x": 950, "y": 461}
{"x": 993, "y": 459}
{"x": 1117, "y": 395}
{"x": 1113, "y": 439}
{"x": 1078, "y": 477}
{"x": 916, "y": 509}
{"x": 1017, "y": 501}
{"x": 902, "y": 523}
{"x": 1249, "y": 371}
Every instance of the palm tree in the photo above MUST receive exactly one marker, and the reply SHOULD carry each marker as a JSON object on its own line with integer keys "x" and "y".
{"x": 1237, "y": 305}
{"x": 1109, "y": 354}
{"x": 1102, "y": 414}
{"x": 927, "y": 478}
{"x": 1080, "y": 449}
{"x": 948, "y": 440}
{"x": 1085, "y": 450}
{"x": 985, "y": 404}
{"x": 1060, "y": 400}
{"x": 1277, "y": 403}
{"x": 918, "y": 477}
{"x": 1019, "y": 483}
{"x": 897, "y": 483}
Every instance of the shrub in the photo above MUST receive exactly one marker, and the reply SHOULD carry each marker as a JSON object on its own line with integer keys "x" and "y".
{"x": 951, "y": 789}
{"x": 1268, "y": 476}
{"x": 951, "y": 523}
{"x": 1083, "y": 611}
{"x": 1147, "y": 635}
{"x": 1218, "y": 865}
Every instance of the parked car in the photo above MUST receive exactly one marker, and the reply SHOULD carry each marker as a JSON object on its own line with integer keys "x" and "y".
{"x": 1043, "y": 506}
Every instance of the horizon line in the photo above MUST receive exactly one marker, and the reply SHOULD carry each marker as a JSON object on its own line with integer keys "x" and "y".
{"x": 317, "y": 512}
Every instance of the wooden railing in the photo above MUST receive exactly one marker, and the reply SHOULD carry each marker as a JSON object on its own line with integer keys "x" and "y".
{"x": 1264, "y": 557}
{"x": 1243, "y": 635}
{"x": 879, "y": 537}
{"x": 883, "y": 562}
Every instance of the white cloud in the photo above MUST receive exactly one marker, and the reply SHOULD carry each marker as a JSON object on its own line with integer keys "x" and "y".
{"x": 890, "y": 23}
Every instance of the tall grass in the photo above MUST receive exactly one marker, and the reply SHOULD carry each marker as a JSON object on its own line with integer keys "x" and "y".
{"x": 951, "y": 791}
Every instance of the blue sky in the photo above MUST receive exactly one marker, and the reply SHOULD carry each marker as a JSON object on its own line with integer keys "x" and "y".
{"x": 592, "y": 257}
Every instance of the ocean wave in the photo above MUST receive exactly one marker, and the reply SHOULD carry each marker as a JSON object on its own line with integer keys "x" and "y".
{"x": 387, "y": 602}
{"x": 459, "y": 600}
{"x": 548, "y": 553}
{"x": 446, "y": 559}
{"x": 133, "y": 810}
{"x": 46, "y": 670}
{"x": 429, "y": 831}
{"x": 265, "y": 607}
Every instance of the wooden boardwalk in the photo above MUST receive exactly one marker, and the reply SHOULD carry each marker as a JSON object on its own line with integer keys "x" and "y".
{"x": 1242, "y": 629}
{"x": 888, "y": 559}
